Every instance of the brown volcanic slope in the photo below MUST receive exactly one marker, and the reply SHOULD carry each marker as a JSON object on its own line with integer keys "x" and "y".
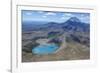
{"x": 75, "y": 50}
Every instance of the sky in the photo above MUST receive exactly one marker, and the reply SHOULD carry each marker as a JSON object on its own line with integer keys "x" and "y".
{"x": 50, "y": 16}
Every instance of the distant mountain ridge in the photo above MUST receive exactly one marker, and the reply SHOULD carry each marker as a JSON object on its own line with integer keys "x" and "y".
{"x": 74, "y": 19}
{"x": 75, "y": 24}
{"x": 72, "y": 24}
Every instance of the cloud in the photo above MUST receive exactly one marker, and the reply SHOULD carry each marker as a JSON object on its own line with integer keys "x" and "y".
{"x": 44, "y": 16}
{"x": 63, "y": 17}
{"x": 82, "y": 15}
{"x": 68, "y": 14}
{"x": 40, "y": 12}
{"x": 84, "y": 18}
{"x": 50, "y": 13}
{"x": 28, "y": 13}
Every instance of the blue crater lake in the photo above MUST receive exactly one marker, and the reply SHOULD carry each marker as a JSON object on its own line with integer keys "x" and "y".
{"x": 45, "y": 49}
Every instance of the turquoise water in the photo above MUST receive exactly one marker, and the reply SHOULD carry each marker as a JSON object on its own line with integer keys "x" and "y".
{"x": 45, "y": 49}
